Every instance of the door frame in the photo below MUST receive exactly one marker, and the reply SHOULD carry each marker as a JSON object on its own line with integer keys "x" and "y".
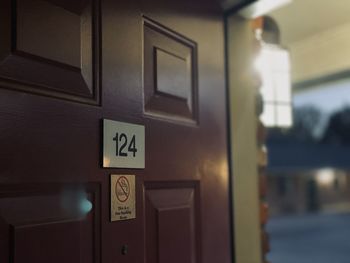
{"x": 242, "y": 131}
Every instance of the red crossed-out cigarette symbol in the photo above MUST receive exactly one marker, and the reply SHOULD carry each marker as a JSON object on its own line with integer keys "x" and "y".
{"x": 122, "y": 189}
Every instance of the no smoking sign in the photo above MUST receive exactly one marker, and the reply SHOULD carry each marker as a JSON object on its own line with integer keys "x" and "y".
{"x": 122, "y": 189}
{"x": 122, "y": 197}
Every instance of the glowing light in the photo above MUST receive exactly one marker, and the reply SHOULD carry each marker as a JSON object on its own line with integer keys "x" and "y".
{"x": 85, "y": 206}
{"x": 261, "y": 7}
{"x": 325, "y": 177}
{"x": 106, "y": 161}
{"x": 75, "y": 203}
{"x": 274, "y": 66}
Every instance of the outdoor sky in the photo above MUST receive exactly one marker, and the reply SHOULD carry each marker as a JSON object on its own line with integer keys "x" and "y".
{"x": 328, "y": 97}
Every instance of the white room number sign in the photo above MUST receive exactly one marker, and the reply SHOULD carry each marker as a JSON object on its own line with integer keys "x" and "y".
{"x": 123, "y": 145}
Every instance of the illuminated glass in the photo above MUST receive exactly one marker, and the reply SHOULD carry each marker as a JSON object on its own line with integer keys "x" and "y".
{"x": 274, "y": 67}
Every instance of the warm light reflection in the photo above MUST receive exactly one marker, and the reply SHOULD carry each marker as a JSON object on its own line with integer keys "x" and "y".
{"x": 106, "y": 161}
{"x": 223, "y": 171}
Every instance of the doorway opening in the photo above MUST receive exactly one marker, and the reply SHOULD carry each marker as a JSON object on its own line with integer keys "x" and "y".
{"x": 309, "y": 162}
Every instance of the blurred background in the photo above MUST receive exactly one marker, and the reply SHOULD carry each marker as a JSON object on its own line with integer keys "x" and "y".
{"x": 305, "y": 64}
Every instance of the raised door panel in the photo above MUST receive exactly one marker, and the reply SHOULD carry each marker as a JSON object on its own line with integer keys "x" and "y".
{"x": 172, "y": 223}
{"x": 49, "y": 223}
{"x": 54, "y": 243}
{"x": 170, "y": 74}
{"x": 51, "y": 47}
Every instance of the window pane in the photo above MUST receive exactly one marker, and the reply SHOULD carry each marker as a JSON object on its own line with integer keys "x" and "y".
{"x": 284, "y": 115}
{"x": 273, "y": 65}
{"x": 280, "y": 60}
{"x": 268, "y": 117}
{"x": 282, "y": 86}
{"x": 267, "y": 90}
{"x": 264, "y": 66}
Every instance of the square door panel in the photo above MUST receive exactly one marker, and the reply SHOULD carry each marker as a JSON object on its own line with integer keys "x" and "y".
{"x": 46, "y": 224}
{"x": 50, "y": 47}
{"x": 172, "y": 223}
{"x": 176, "y": 234}
{"x": 173, "y": 75}
{"x": 50, "y": 31}
{"x": 170, "y": 74}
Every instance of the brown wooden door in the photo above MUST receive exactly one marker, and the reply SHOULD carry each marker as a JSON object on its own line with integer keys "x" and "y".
{"x": 65, "y": 66}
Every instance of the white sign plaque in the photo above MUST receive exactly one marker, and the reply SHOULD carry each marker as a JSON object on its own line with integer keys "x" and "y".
{"x": 122, "y": 197}
{"x": 123, "y": 145}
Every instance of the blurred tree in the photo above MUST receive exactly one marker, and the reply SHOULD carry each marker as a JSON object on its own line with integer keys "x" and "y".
{"x": 338, "y": 130}
{"x": 306, "y": 123}
{"x": 311, "y": 126}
